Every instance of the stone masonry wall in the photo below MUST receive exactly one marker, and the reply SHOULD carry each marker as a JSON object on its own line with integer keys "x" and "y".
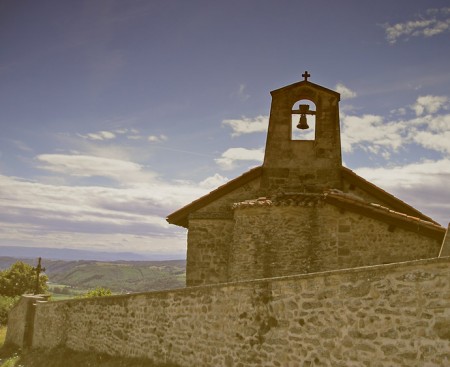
{"x": 17, "y": 319}
{"x": 209, "y": 237}
{"x": 208, "y": 248}
{"x": 387, "y": 315}
{"x": 271, "y": 241}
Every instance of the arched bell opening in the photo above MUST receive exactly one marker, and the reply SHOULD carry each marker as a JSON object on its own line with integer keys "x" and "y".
{"x": 303, "y": 120}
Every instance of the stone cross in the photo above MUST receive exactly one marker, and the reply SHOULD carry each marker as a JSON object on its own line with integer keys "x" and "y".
{"x": 38, "y": 270}
{"x": 306, "y": 75}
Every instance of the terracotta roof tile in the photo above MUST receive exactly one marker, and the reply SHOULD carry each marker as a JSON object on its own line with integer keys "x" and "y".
{"x": 180, "y": 217}
{"x": 352, "y": 203}
{"x": 385, "y": 214}
{"x": 262, "y": 201}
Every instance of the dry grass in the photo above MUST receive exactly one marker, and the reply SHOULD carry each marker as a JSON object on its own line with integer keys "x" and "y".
{"x": 66, "y": 358}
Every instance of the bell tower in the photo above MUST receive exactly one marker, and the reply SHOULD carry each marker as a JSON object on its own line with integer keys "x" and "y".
{"x": 301, "y": 165}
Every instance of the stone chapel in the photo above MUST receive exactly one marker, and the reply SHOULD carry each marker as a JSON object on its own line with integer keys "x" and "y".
{"x": 301, "y": 211}
{"x": 262, "y": 235}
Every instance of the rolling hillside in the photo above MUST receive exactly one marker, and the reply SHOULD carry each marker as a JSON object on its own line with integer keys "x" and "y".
{"x": 119, "y": 276}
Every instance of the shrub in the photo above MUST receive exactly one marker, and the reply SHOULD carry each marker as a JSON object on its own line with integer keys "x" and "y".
{"x": 20, "y": 278}
{"x": 6, "y": 303}
{"x": 97, "y": 292}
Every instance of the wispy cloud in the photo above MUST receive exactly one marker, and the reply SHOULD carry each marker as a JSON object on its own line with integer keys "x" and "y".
{"x": 346, "y": 93}
{"x": 131, "y": 215}
{"x": 92, "y": 166}
{"x": 100, "y": 135}
{"x": 248, "y": 125}
{"x": 157, "y": 138}
{"x": 435, "y": 22}
{"x": 231, "y": 156}
{"x": 241, "y": 93}
{"x": 213, "y": 182}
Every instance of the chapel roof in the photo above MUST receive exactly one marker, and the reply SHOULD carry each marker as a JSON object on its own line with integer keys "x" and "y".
{"x": 351, "y": 203}
{"x": 180, "y": 217}
{"x": 384, "y": 214}
{"x": 382, "y": 195}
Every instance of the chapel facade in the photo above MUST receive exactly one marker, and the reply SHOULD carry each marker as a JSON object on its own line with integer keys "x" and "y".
{"x": 301, "y": 211}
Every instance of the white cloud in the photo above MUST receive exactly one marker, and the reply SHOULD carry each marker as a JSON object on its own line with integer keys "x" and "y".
{"x": 90, "y": 166}
{"x": 423, "y": 185}
{"x": 439, "y": 123}
{"x": 371, "y": 132}
{"x": 375, "y": 134}
{"x": 213, "y": 182}
{"x": 398, "y": 111}
{"x": 345, "y": 92}
{"x": 121, "y": 131}
{"x": 429, "y": 104}
{"x": 438, "y": 142}
{"x": 100, "y": 135}
{"x": 248, "y": 125}
{"x": 436, "y": 22}
{"x": 130, "y": 216}
{"x": 157, "y": 138}
{"x": 172, "y": 244}
{"x": 229, "y": 158}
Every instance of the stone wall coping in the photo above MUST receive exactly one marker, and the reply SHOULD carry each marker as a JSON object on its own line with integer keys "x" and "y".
{"x": 373, "y": 268}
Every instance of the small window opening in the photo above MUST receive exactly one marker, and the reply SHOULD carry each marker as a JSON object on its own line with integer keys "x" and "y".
{"x": 304, "y": 120}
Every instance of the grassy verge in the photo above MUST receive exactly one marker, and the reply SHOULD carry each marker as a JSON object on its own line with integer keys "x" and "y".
{"x": 2, "y": 335}
{"x": 12, "y": 357}
{"x": 67, "y": 358}
{"x": 8, "y": 357}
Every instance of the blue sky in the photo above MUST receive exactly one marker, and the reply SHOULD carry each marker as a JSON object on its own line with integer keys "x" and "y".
{"x": 113, "y": 114}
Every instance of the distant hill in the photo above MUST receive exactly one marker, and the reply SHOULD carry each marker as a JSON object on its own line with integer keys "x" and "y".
{"x": 74, "y": 254}
{"x": 119, "y": 276}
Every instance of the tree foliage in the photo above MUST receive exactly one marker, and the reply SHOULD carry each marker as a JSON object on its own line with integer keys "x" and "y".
{"x": 98, "y": 292}
{"x": 19, "y": 279}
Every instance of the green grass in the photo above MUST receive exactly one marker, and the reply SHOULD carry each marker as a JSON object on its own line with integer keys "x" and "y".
{"x": 2, "y": 335}
{"x": 8, "y": 356}
{"x": 11, "y": 362}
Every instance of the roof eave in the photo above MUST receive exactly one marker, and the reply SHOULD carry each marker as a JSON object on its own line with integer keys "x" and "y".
{"x": 395, "y": 219}
{"x": 382, "y": 195}
{"x": 181, "y": 216}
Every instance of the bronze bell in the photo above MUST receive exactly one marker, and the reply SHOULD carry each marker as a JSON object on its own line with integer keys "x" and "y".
{"x": 303, "y": 125}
